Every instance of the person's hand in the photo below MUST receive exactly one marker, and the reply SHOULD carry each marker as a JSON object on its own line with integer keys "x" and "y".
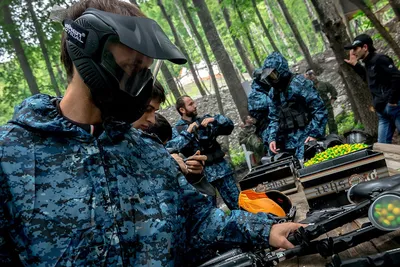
{"x": 195, "y": 163}
{"x": 192, "y": 126}
{"x": 272, "y": 147}
{"x": 352, "y": 58}
{"x": 206, "y": 121}
{"x": 181, "y": 163}
{"x": 279, "y": 233}
{"x": 310, "y": 139}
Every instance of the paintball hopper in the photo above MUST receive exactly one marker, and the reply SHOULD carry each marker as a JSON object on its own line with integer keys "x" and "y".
{"x": 369, "y": 189}
{"x": 272, "y": 202}
{"x": 311, "y": 149}
{"x": 384, "y": 213}
{"x": 358, "y": 136}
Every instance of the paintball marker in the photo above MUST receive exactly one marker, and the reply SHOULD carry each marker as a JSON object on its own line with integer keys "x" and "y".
{"x": 374, "y": 199}
{"x": 389, "y": 258}
{"x": 380, "y": 199}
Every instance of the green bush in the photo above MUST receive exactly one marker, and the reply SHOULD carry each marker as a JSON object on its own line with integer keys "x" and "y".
{"x": 345, "y": 122}
{"x": 237, "y": 157}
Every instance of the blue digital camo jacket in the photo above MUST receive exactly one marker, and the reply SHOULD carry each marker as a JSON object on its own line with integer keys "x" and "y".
{"x": 186, "y": 140}
{"x": 70, "y": 199}
{"x": 298, "y": 87}
{"x": 258, "y": 106}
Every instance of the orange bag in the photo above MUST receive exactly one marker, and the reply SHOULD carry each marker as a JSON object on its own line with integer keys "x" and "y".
{"x": 254, "y": 202}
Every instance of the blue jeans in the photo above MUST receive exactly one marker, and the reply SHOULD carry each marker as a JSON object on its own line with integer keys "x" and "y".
{"x": 389, "y": 120}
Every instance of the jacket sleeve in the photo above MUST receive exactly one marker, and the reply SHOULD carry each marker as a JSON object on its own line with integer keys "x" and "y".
{"x": 388, "y": 69}
{"x": 257, "y": 103}
{"x": 223, "y": 125}
{"x": 179, "y": 140}
{"x": 360, "y": 70}
{"x": 332, "y": 91}
{"x": 319, "y": 114}
{"x": 208, "y": 225}
{"x": 271, "y": 133}
{"x": 8, "y": 255}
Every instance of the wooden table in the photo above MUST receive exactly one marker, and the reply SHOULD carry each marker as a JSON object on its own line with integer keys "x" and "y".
{"x": 377, "y": 245}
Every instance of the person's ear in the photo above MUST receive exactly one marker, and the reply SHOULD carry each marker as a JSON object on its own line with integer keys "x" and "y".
{"x": 182, "y": 110}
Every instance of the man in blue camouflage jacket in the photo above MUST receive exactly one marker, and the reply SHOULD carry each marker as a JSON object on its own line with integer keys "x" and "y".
{"x": 258, "y": 106}
{"x": 192, "y": 133}
{"x": 297, "y": 113}
{"x": 80, "y": 187}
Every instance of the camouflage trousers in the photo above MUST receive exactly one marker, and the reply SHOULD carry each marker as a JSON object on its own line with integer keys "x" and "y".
{"x": 228, "y": 190}
{"x": 331, "y": 120}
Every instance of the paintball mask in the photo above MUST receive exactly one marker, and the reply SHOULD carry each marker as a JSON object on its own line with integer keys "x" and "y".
{"x": 114, "y": 55}
{"x": 270, "y": 76}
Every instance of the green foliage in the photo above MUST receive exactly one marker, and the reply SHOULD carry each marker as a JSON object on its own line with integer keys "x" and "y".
{"x": 345, "y": 122}
{"x": 237, "y": 157}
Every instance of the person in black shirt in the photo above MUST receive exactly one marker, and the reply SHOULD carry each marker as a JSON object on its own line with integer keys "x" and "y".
{"x": 383, "y": 79}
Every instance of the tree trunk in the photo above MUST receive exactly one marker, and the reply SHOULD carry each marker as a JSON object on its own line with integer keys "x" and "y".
{"x": 43, "y": 47}
{"x": 377, "y": 24}
{"x": 222, "y": 57}
{"x": 19, "y": 50}
{"x": 278, "y": 27}
{"x": 271, "y": 41}
{"x": 61, "y": 75}
{"x": 396, "y": 8}
{"x": 189, "y": 32}
{"x": 181, "y": 47}
{"x": 181, "y": 88}
{"x": 311, "y": 14}
{"x": 170, "y": 81}
{"x": 239, "y": 47}
{"x": 246, "y": 31}
{"x": 357, "y": 117}
{"x": 205, "y": 55}
{"x": 134, "y": 2}
{"x": 296, "y": 33}
{"x": 335, "y": 30}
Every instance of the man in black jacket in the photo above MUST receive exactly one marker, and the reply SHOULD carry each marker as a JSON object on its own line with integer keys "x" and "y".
{"x": 383, "y": 79}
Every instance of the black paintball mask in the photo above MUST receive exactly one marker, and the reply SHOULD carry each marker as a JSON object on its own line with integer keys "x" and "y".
{"x": 120, "y": 86}
{"x": 270, "y": 76}
{"x": 257, "y": 78}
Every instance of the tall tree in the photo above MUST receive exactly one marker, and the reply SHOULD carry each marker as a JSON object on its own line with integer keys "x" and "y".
{"x": 42, "y": 43}
{"x": 239, "y": 47}
{"x": 170, "y": 81}
{"x": 178, "y": 42}
{"x": 247, "y": 33}
{"x": 134, "y": 2}
{"x": 300, "y": 40}
{"x": 313, "y": 17}
{"x": 222, "y": 57}
{"x": 14, "y": 34}
{"x": 277, "y": 27}
{"x": 265, "y": 29}
{"x": 396, "y": 7}
{"x": 335, "y": 30}
{"x": 204, "y": 53}
{"x": 361, "y": 4}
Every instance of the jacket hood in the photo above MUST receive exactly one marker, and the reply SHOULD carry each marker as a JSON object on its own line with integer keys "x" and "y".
{"x": 276, "y": 61}
{"x": 39, "y": 114}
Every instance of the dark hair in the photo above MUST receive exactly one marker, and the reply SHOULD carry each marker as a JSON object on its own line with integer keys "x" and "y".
{"x": 161, "y": 128}
{"x": 77, "y": 9}
{"x": 371, "y": 48}
{"x": 158, "y": 92}
{"x": 180, "y": 103}
{"x": 307, "y": 70}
